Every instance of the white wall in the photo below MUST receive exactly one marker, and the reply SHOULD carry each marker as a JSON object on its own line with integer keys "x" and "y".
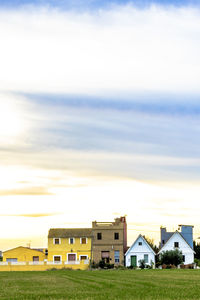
{"x": 139, "y": 251}
{"x": 183, "y": 246}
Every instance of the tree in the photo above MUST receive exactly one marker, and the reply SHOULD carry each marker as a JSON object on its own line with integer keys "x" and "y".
{"x": 151, "y": 243}
{"x": 171, "y": 257}
{"x": 197, "y": 250}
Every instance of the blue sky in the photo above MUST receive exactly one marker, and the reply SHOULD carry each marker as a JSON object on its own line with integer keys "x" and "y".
{"x": 99, "y": 102}
{"x": 95, "y": 3}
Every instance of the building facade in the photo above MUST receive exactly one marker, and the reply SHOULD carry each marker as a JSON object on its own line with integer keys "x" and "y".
{"x": 177, "y": 241}
{"x": 23, "y": 254}
{"x": 140, "y": 250}
{"x": 70, "y": 246}
{"x": 109, "y": 241}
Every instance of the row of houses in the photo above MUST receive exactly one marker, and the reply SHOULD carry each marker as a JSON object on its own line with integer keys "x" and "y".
{"x": 77, "y": 247}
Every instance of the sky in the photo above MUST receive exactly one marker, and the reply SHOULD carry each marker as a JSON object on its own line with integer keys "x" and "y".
{"x": 99, "y": 116}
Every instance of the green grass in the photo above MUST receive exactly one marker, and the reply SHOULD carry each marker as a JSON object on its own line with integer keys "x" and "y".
{"x": 104, "y": 285}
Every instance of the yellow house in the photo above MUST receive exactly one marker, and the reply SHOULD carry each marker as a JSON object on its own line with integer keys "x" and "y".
{"x": 70, "y": 246}
{"x": 23, "y": 254}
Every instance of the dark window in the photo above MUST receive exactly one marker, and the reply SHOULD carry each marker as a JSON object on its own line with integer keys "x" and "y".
{"x": 176, "y": 244}
{"x": 71, "y": 240}
{"x": 57, "y": 259}
{"x": 83, "y": 240}
{"x": 99, "y": 236}
{"x": 116, "y": 235}
{"x": 35, "y": 258}
{"x": 163, "y": 241}
{"x": 140, "y": 243}
{"x": 56, "y": 241}
{"x": 183, "y": 258}
{"x": 83, "y": 257}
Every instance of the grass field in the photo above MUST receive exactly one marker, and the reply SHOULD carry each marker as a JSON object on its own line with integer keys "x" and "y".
{"x": 107, "y": 284}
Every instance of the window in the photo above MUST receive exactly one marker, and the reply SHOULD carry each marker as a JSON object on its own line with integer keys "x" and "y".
{"x": 56, "y": 241}
{"x": 146, "y": 258}
{"x": 140, "y": 243}
{"x": 57, "y": 259}
{"x": 99, "y": 236}
{"x": 117, "y": 256}
{"x": 71, "y": 257}
{"x": 83, "y": 240}
{"x": 35, "y": 258}
{"x": 116, "y": 235}
{"x": 105, "y": 255}
{"x": 83, "y": 257}
{"x": 176, "y": 244}
{"x": 11, "y": 260}
{"x": 183, "y": 258}
{"x": 71, "y": 240}
{"x": 163, "y": 241}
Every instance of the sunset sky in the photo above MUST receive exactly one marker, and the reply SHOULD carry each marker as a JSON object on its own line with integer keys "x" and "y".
{"x": 99, "y": 116}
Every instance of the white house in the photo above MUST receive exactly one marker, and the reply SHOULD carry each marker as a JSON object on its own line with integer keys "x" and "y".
{"x": 177, "y": 241}
{"x": 139, "y": 250}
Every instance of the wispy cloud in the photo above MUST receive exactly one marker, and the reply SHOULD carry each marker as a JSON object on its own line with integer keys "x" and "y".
{"x": 113, "y": 51}
{"x": 36, "y": 190}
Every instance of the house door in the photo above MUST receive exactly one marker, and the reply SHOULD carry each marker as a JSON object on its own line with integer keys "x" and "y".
{"x": 134, "y": 261}
{"x": 71, "y": 257}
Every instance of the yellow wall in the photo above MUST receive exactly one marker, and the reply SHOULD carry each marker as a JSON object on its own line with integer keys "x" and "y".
{"x": 23, "y": 254}
{"x": 64, "y": 248}
{"x": 42, "y": 267}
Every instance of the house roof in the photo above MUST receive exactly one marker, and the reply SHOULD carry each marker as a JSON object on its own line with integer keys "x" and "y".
{"x": 69, "y": 232}
{"x": 171, "y": 238}
{"x": 31, "y": 249}
{"x": 140, "y": 236}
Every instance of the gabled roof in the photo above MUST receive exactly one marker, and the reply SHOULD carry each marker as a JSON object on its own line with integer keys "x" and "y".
{"x": 145, "y": 241}
{"x": 69, "y": 232}
{"x": 23, "y": 248}
{"x": 172, "y": 237}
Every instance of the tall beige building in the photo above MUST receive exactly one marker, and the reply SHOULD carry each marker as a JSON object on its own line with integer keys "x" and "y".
{"x": 109, "y": 241}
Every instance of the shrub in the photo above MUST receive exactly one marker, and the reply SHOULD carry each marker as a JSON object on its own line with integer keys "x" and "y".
{"x": 142, "y": 264}
{"x": 171, "y": 257}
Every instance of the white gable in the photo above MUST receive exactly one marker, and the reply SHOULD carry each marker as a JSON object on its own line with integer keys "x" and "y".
{"x": 140, "y": 245}
{"x": 182, "y": 244}
{"x": 140, "y": 249}
{"x": 176, "y": 241}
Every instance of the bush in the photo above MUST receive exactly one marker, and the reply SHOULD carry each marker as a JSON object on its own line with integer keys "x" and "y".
{"x": 171, "y": 257}
{"x": 142, "y": 264}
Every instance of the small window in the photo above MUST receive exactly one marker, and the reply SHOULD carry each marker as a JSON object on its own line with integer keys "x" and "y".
{"x": 57, "y": 259}
{"x": 56, "y": 241}
{"x": 117, "y": 256}
{"x": 176, "y": 244}
{"x": 183, "y": 258}
{"x": 163, "y": 241}
{"x": 83, "y": 257}
{"x": 83, "y": 240}
{"x": 99, "y": 236}
{"x": 146, "y": 258}
{"x": 116, "y": 235}
{"x": 71, "y": 241}
{"x": 140, "y": 243}
{"x": 35, "y": 258}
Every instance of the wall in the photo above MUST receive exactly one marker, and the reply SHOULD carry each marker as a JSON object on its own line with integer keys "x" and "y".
{"x": 139, "y": 251}
{"x": 183, "y": 246}
{"x": 41, "y": 267}
{"x": 23, "y": 254}
{"x": 64, "y": 248}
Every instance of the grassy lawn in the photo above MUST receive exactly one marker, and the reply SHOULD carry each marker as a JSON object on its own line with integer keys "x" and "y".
{"x": 108, "y": 284}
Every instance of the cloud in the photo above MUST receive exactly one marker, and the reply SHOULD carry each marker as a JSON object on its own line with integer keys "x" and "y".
{"x": 112, "y": 51}
{"x": 37, "y": 190}
{"x": 36, "y": 215}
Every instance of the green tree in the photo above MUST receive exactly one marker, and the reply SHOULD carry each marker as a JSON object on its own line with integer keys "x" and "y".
{"x": 171, "y": 257}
